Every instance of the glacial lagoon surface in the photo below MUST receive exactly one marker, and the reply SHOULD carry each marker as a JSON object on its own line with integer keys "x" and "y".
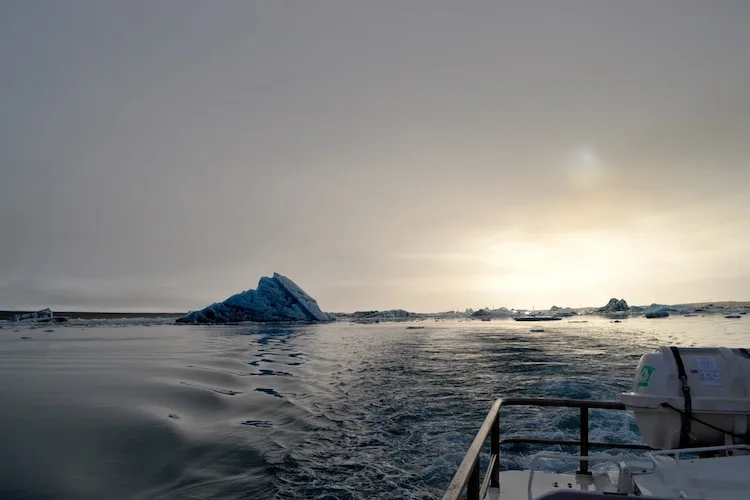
{"x": 151, "y": 410}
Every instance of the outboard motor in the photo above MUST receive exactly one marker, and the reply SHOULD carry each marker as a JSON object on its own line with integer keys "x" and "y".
{"x": 692, "y": 397}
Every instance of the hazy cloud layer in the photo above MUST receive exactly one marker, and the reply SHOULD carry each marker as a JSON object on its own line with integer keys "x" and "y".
{"x": 426, "y": 155}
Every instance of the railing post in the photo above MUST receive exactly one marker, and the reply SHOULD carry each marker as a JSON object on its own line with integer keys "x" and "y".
{"x": 495, "y": 452}
{"x": 472, "y": 489}
{"x": 467, "y": 476}
{"x": 583, "y": 465}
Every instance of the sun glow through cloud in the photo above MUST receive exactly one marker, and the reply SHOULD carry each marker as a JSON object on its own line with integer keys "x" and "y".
{"x": 585, "y": 167}
{"x": 522, "y": 267}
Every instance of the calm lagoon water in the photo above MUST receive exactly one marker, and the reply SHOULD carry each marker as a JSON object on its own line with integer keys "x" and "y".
{"x": 328, "y": 411}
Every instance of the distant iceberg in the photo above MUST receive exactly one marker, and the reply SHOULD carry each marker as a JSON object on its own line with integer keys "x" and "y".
{"x": 656, "y": 313}
{"x": 563, "y": 312}
{"x": 276, "y": 299}
{"x": 491, "y": 313}
{"x": 615, "y": 308}
{"x": 378, "y": 316}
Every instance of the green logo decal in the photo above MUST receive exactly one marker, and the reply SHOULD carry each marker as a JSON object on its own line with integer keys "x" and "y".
{"x": 644, "y": 376}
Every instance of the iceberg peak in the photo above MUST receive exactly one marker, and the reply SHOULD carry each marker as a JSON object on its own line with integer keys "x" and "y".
{"x": 276, "y": 299}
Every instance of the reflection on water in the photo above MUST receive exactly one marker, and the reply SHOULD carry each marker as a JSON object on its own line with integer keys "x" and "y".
{"x": 332, "y": 411}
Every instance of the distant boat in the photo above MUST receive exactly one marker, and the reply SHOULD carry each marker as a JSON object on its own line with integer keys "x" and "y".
{"x": 733, "y": 316}
{"x": 657, "y": 314}
{"x": 690, "y": 315}
{"x": 537, "y": 318}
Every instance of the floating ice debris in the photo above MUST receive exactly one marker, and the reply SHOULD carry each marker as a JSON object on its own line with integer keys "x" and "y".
{"x": 415, "y": 327}
{"x": 25, "y": 338}
{"x": 269, "y": 391}
{"x": 264, "y": 372}
{"x": 276, "y": 299}
{"x": 257, "y": 423}
{"x": 537, "y": 330}
{"x": 48, "y": 331}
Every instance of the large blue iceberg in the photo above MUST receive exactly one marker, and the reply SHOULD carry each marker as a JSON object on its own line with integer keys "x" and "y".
{"x": 276, "y": 299}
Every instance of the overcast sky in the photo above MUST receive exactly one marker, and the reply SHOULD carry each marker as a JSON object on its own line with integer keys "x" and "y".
{"x": 428, "y": 155}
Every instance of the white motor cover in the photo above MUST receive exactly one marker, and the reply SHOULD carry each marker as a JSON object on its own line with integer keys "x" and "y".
{"x": 719, "y": 382}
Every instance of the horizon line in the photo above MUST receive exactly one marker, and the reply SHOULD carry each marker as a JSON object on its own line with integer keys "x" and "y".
{"x": 741, "y": 303}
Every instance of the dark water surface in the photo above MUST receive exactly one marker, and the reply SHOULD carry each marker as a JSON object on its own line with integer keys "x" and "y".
{"x": 331, "y": 411}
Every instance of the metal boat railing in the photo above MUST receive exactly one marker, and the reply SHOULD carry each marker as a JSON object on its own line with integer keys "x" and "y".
{"x": 467, "y": 476}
